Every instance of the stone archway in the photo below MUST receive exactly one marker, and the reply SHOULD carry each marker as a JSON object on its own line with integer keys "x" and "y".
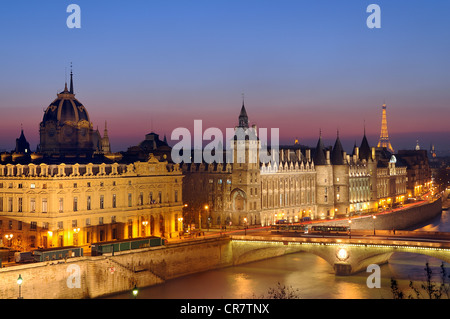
{"x": 238, "y": 200}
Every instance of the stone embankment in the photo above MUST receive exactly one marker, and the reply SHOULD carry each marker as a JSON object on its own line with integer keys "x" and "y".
{"x": 92, "y": 277}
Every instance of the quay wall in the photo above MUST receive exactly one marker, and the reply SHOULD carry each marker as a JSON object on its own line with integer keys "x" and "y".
{"x": 93, "y": 277}
{"x": 398, "y": 220}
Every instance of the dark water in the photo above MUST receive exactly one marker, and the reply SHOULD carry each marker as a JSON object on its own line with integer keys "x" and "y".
{"x": 309, "y": 275}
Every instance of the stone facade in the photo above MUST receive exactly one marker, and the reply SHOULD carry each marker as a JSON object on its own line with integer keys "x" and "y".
{"x": 72, "y": 204}
{"x": 300, "y": 182}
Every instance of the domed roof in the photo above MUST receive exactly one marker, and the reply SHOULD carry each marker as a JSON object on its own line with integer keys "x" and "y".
{"x": 66, "y": 108}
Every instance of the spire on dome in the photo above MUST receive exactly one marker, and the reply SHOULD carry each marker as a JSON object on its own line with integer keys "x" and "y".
{"x": 71, "y": 79}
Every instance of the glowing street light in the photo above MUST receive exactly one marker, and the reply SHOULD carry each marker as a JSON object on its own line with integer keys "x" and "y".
{"x": 145, "y": 223}
{"x": 9, "y": 237}
{"x": 350, "y": 228}
{"x": 180, "y": 220}
{"x": 135, "y": 291}
{"x": 19, "y": 282}
{"x": 374, "y": 217}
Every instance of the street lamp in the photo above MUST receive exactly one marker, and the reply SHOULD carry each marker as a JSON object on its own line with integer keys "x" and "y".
{"x": 180, "y": 220}
{"x": 245, "y": 225}
{"x": 19, "y": 282}
{"x": 75, "y": 236}
{"x": 350, "y": 228}
{"x": 374, "y": 217}
{"x": 206, "y": 207}
{"x": 9, "y": 237}
{"x": 145, "y": 223}
{"x": 135, "y": 291}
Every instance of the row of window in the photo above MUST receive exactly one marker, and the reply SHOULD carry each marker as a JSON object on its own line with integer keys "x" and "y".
{"x": 289, "y": 199}
{"x": 60, "y": 186}
{"x": 44, "y": 204}
{"x": 20, "y": 205}
{"x": 60, "y": 224}
{"x": 271, "y": 184}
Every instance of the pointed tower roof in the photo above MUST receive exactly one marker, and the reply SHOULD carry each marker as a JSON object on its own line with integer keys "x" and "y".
{"x": 22, "y": 145}
{"x": 243, "y": 118}
{"x": 105, "y": 132}
{"x": 319, "y": 155}
{"x": 364, "y": 150}
{"x": 337, "y": 155}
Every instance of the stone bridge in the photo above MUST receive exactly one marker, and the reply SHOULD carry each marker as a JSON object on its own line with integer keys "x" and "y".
{"x": 346, "y": 255}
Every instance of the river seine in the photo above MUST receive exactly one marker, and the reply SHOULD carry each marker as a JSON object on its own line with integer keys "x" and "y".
{"x": 310, "y": 276}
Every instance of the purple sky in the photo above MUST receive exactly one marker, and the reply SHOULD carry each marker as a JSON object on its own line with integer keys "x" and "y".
{"x": 304, "y": 66}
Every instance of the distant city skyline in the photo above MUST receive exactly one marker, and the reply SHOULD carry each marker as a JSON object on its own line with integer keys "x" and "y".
{"x": 304, "y": 66}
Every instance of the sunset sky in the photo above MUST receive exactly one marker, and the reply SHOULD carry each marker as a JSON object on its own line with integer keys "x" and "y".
{"x": 304, "y": 66}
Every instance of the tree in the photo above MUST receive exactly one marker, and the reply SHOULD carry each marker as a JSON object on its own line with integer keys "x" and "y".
{"x": 282, "y": 292}
{"x": 396, "y": 292}
{"x": 428, "y": 288}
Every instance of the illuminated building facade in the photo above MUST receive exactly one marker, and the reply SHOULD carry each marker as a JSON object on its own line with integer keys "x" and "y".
{"x": 391, "y": 183}
{"x": 324, "y": 182}
{"x": 72, "y": 204}
{"x": 418, "y": 171}
{"x": 74, "y": 191}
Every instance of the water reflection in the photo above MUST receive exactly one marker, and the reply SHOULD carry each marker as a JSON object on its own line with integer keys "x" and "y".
{"x": 440, "y": 223}
{"x": 310, "y": 274}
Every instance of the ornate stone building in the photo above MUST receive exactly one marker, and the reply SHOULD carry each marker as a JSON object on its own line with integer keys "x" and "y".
{"x": 74, "y": 191}
{"x": 418, "y": 171}
{"x": 329, "y": 183}
{"x": 79, "y": 204}
{"x": 288, "y": 188}
{"x": 391, "y": 182}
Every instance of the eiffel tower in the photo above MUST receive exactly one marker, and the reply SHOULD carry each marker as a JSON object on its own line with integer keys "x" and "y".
{"x": 384, "y": 137}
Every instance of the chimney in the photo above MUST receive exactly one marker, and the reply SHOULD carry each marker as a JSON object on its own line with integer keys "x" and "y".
{"x": 299, "y": 155}
{"x": 288, "y": 155}
{"x": 255, "y": 130}
{"x": 328, "y": 156}
{"x": 308, "y": 155}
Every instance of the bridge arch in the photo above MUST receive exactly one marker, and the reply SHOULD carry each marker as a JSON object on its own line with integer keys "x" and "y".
{"x": 346, "y": 258}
